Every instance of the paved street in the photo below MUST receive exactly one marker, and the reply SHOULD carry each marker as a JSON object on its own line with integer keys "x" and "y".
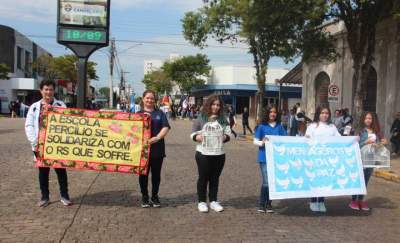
{"x": 107, "y": 205}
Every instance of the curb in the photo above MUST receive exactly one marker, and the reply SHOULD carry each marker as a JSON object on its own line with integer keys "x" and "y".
{"x": 387, "y": 175}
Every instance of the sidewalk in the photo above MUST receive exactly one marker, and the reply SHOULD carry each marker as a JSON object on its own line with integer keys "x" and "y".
{"x": 392, "y": 173}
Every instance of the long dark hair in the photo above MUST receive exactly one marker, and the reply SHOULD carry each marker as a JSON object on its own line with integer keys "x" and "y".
{"x": 375, "y": 126}
{"x": 267, "y": 111}
{"x": 318, "y": 113}
{"x": 206, "y": 109}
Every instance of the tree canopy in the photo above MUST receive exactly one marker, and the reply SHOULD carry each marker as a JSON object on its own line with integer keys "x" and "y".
{"x": 158, "y": 81}
{"x": 270, "y": 28}
{"x": 105, "y": 91}
{"x": 62, "y": 67}
{"x": 4, "y": 70}
{"x": 188, "y": 72}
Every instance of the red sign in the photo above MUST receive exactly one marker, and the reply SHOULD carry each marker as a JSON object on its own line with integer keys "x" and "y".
{"x": 333, "y": 93}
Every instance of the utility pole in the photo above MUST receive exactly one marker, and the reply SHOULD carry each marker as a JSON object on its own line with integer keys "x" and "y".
{"x": 112, "y": 57}
{"x": 123, "y": 88}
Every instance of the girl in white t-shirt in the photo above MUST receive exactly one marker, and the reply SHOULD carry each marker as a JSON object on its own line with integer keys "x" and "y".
{"x": 321, "y": 127}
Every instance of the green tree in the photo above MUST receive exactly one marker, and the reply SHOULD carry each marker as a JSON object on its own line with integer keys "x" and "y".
{"x": 158, "y": 81}
{"x": 4, "y": 70}
{"x": 361, "y": 18}
{"x": 270, "y": 28}
{"x": 62, "y": 67}
{"x": 105, "y": 91}
{"x": 188, "y": 72}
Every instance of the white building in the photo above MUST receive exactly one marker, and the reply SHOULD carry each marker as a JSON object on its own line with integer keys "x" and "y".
{"x": 18, "y": 53}
{"x": 382, "y": 96}
{"x": 155, "y": 64}
{"x": 151, "y": 65}
{"x": 238, "y": 86}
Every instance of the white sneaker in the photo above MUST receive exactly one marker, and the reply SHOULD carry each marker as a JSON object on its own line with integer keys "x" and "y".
{"x": 202, "y": 206}
{"x": 321, "y": 207}
{"x": 216, "y": 206}
{"x": 314, "y": 207}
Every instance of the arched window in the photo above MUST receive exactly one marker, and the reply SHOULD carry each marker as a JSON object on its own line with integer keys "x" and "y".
{"x": 322, "y": 82}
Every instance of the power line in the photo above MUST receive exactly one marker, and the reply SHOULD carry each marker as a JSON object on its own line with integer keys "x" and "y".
{"x": 150, "y": 42}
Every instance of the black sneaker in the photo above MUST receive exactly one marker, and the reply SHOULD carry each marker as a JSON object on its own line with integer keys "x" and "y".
{"x": 269, "y": 209}
{"x": 145, "y": 202}
{"x": 155, "y": 201}
{"x": 261, "y": 209}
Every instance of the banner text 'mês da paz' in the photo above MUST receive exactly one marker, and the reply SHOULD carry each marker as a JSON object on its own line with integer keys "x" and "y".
{"x": 93, "y": 139}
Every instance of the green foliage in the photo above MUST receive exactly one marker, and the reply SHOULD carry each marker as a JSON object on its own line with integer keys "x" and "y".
{"x": 138, "y": 99}
{"x": 188, "y": 72}
{"x": 361, "y": 18}
{"x": 158, "y": 81}
{"x": 105, "y": 91}
{"x": 4, "y": 70}
{"x": 271, "y": 28}
{"x": 62, "y": 67}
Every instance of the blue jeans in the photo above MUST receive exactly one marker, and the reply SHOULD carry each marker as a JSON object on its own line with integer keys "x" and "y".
{"x": 264, "y": 193}
{"x": 367, "y": 176}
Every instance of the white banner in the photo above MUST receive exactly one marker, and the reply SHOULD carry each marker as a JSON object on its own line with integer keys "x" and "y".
{"x": 300, "y": 167}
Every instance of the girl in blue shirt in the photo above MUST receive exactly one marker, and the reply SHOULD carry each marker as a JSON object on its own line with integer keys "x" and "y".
{"x": 270, "y": 125}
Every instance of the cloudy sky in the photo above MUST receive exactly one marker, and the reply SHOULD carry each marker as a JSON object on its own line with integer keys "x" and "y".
{"x": 153, "y": 23}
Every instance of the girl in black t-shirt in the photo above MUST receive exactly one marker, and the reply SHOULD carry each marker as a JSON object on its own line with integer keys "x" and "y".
{"x": 159, "y": 129}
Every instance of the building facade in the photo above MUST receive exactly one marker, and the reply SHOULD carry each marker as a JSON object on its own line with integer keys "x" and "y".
{"x": 19, "y": 53}
{"x": 382, "y": 96}
{"x": 238, "y": 87}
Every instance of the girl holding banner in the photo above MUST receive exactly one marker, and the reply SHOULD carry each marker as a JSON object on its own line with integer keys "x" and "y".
{"x": 159, "y": 129}
{"x": 210, "y": 130}
{"x": 369, "y": 134}
{"x": 270, "y": 125}
{"x": 321, "y": 127}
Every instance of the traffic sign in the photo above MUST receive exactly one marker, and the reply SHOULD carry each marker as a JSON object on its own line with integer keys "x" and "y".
{"x": 333, "y": 93}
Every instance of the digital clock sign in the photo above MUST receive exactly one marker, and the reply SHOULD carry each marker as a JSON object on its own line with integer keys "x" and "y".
{"x": 80, "y": 35}
{"x": 83, "y": 22}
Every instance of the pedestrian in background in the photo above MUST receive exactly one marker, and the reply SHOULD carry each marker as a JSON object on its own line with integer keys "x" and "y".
{"x": 232, "y": 120}
{"x": 270, "y": 125}
{"x": 293, "y": 124}
{"x": 245, "y": 121}
{"x": 210, "y": 131}
{"x": 321, "y": 127}
{"x": 337, "y": 119}
{"x": 32, "y": 133}
{"x": 347, "y": 123}
{"x": 395, "y": 138}
{"x": 370, "y": 134}
{"x": 159, "y": 129}
{"x": 285, "y": 119}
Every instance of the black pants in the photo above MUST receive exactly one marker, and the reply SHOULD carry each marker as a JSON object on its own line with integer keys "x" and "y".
{"x": 44, "y": 182}
{"x": 246, "y": 125}
{"x": 209, "y": 168}
{"x": 155, "y": 165}
{"x": 396, "y": 145}
{"x": 233, "y": 132}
